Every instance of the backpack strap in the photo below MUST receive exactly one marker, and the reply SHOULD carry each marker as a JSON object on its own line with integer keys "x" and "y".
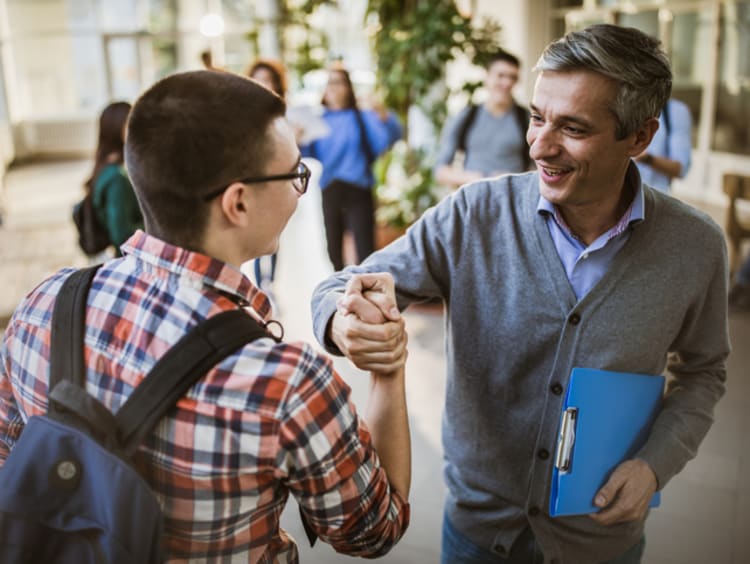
{"x": 192, "y": 357}
{"x": 366, "y": 148}
{"x": 69, "y": 328}
{"x": 463, "y": 131}
{"x": 175, "y": 373}
{"x": 522, "y": 118}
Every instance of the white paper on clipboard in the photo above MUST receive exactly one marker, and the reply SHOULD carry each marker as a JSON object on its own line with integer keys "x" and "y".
{"x": 309, "y": 121}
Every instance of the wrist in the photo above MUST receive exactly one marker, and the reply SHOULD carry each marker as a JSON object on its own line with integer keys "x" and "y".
{"x": 329, "y": 341}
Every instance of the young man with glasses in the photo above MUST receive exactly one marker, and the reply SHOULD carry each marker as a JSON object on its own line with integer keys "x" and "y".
{"x": 218, "y": 174}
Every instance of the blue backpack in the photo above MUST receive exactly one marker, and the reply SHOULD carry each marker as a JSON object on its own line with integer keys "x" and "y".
{"x": 70, "y": 493}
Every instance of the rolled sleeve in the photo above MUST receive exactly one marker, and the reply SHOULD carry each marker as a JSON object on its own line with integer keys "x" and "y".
{"x": 333, "y": 470}
{"x": 11, "y": 421}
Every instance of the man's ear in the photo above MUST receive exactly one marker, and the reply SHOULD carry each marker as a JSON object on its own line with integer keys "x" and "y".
{"x": 643, "y": 136}
{"x": 234, "y": 204}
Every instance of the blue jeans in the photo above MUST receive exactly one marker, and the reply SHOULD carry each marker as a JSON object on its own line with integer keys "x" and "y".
{"x": 259, "y": 275}
{"x": 457, "y": 549}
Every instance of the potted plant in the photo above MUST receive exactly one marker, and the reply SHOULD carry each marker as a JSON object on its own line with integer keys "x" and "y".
{"x": 405, "y": 189}
{"x": 413, "y": 43}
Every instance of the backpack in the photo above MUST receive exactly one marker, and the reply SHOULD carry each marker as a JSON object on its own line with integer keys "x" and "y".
{"x": 69, "y": 491}
{"x": 522, "y": 118}
{"x": 93, "y": 237}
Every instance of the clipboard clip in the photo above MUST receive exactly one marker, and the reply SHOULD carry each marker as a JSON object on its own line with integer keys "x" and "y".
{"x": 566, "y": 440}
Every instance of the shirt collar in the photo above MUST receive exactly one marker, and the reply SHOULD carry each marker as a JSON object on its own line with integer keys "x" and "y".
{"x": 199, "y": 270}
{"x": 636, "y": 212}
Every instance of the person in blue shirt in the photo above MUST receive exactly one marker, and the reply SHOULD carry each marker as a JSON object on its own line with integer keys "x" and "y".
{"x": 668, "y": 155}
{"x": 357, "y": 137}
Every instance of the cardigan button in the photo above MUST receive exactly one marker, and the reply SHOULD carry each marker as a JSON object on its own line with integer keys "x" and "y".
{"x": 556, "y": 388}
{"x": 543, "y": 453}
{"x": 500, "y": 549}
{"x": 574, "y": 319}
{"x": 534, "y": 511}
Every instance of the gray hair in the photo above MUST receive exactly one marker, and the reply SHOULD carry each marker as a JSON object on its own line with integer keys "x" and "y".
{"x": 634, "y": 60}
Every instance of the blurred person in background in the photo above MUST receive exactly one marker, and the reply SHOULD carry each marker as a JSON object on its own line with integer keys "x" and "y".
{"x": 356, "y": 138}
{"x": 491, "y": 137}
{"x": 272, "y": 75}
{"x": 115, "y": 204}
{"x": 668, "y": 155}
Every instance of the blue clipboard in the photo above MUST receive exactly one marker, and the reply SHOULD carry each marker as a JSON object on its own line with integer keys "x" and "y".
{"x": 606, "y": 419}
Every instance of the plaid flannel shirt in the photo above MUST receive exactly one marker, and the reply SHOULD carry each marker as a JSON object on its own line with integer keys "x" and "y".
{"x": 269, "y": 420}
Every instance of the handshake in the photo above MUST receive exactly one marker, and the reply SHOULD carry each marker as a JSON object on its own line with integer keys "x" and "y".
{"x": 367, "y": 326}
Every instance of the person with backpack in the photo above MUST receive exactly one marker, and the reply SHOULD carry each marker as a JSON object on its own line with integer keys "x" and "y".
{"x": 217, "y": 171}
{"x": 114, "y": 202}
{"x": 489, "y": 139}
{"x": 357, "y": 137}
{"x": 668, "y": 155}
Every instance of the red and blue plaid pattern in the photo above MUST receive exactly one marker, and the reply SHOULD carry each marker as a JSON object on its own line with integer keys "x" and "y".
{"x": 269, "y": 420}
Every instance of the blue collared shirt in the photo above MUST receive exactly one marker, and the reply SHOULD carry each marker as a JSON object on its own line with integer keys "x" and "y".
{"x": 585, "y": 265}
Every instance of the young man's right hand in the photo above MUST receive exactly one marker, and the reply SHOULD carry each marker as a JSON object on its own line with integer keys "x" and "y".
{"x": 367, "y": 326}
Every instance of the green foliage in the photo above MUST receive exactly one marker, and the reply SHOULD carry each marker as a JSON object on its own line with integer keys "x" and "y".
{"x": 310, "y": 50}
{"x": 404, "y": 186}
{"x": 414, "y": 43}
{"x": 304, "y": 47}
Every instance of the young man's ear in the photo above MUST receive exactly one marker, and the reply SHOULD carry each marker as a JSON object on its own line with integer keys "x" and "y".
{"x": 233, "y": 203}
{"x": 643, "y": 136}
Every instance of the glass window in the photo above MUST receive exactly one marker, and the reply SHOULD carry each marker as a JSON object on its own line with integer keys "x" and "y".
{"x": 732, "y": 133}
{"x": 647, "y": 21}
{"x": 238, "y": 53}
{"x": 124, "y": 78}
{"x": 557, "y": 28}
{"x": 116, "y": 15}
{"x": 688, "y": 33}
{"x": 161, "y": 58}
{"x": 162, "y": 15}
{"x": 576, "y": 21}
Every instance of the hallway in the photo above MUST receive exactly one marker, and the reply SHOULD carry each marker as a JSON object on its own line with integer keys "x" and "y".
{"x": 705, "y": 513}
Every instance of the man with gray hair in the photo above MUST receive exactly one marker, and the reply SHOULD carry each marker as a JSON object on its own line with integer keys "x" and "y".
{"x": 578, "y": 264}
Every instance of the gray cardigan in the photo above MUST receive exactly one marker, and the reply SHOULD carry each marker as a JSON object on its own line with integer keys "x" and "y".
{"x": 514, "y": 331}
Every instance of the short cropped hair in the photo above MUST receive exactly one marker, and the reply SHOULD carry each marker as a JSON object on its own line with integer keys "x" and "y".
{"x": 629, "y": 57}
{"x": 190, "y": 134}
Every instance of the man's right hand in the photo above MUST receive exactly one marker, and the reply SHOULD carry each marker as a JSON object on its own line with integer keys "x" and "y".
{"x": 367, "y": 326}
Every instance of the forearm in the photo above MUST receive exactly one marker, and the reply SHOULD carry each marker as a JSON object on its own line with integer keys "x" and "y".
{"x": 683, "y": 423}
{"x": 387, "y": 418}
{"x": 663, "y": 165}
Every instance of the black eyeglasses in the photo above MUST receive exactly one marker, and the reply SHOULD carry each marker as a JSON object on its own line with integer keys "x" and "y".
{"x": 301, "y": 177}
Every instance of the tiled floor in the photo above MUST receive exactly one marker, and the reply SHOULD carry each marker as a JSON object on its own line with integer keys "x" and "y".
{"x": 705, "y": 512}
